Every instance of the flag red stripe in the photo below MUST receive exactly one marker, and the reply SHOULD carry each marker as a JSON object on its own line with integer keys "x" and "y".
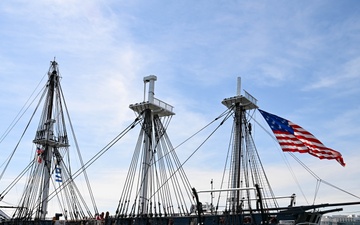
{"x": 304, "y": 142}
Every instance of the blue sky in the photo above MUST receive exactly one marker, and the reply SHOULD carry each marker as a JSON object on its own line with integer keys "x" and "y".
{"x": 300, "y": 59}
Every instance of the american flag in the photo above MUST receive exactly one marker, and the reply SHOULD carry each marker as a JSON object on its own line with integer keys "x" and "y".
{"x": 293, "y": 138}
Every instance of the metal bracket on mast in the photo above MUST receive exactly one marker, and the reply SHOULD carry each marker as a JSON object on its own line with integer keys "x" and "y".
{"x": 247, "y": 101}
{"x": 157, "y": 106}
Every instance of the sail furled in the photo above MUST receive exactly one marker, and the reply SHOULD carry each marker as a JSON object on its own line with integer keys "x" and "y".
{"x": 294, "y": 138}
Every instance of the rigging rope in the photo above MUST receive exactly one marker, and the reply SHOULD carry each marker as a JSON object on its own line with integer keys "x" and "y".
{"x": 96, "y": 156}
{"x": 14, "y": 182}
{"x": 78, "y": 152}
{"x": 226, "y": 162}
{"x": 203, "y": 128}
{"x": 225, "y": 113}
{"x": 17, "y": 145}
{"x": 21, "y": 112}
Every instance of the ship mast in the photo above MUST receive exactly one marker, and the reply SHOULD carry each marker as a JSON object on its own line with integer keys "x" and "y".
{"x": 49, "y": 173}
{"x": 239, "y": 179}
{"x": 153, "y": 108}
{"x": 149, "y": 144}
{"x": 45, "y": 139}
{"x": 156, "y": 183}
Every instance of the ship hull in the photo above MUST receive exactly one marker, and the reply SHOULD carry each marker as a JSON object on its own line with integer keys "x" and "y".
{"x": 223, "y": 219}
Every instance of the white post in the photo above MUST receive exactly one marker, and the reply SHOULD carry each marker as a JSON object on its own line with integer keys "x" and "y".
{"x": 151, "y": 80}
{"x": 238, "y": 86}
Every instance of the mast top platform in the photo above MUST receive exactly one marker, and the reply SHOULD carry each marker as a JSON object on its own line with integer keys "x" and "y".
{"x": 247, "y": 101}
{"x": 157, "y": 106}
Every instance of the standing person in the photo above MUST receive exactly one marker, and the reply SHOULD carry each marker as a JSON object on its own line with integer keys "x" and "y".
{"x": 100, "y": 219}
{"x": 107, "y": 217}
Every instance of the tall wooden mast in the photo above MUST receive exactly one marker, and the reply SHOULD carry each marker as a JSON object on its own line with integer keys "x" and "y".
{"x": 46, "y": 140}
{"x": 238, "y": 180}
{"x": 49, "y": 173}
{"x": 161, "y": 187}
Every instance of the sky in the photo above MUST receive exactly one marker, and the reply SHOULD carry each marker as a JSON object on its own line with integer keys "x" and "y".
{"x": 300, "y": 59}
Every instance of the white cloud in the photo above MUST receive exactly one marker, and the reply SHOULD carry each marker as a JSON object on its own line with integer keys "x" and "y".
{"x": 343, "y": 78}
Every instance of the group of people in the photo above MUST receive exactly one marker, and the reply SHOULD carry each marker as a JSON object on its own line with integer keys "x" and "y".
{"x": 102, "y": 216}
